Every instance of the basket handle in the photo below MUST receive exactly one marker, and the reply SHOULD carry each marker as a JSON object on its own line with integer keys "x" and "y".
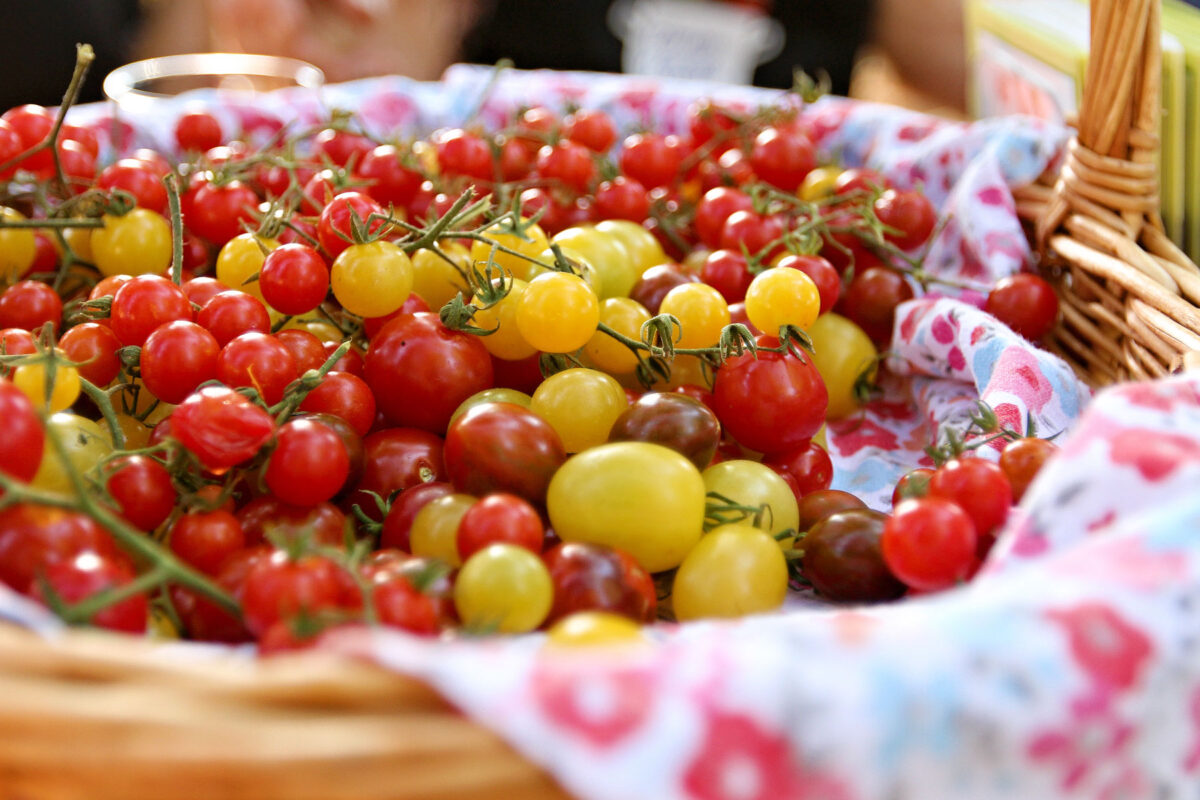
{"x": 1129, "y": 294}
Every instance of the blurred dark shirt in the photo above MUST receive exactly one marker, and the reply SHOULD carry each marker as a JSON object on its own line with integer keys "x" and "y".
{"x": 574, "y": 34}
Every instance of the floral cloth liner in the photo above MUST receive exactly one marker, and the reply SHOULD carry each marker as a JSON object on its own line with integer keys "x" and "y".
{"x": 1069, "y": 668}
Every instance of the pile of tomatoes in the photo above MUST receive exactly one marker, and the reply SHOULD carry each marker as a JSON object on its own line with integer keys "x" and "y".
{"x": 541, "y": 377}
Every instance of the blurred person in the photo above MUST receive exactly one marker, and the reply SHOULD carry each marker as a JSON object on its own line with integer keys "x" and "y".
{"x": 420, "y": 38}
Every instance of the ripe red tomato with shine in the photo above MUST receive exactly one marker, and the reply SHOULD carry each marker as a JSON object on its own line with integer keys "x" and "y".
{"x": 772, "y": 402}
{"x": 420, "y": 371}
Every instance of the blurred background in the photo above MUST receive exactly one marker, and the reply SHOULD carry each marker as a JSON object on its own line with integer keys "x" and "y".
{"x": 907, "y": 52}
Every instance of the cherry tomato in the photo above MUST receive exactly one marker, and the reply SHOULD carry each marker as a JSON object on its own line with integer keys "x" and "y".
{"x": 219, "y": 211}
{"x": 138, "y": 179}
{"x": 567, "y": 162}
{"x": 395, "y": 460}
{"x": 771, "y": 402}
{"x": 86, "y": 574}
{"x": 293, "y": 279}
{"x": 783, "y": 158}
{"x": 86, "y": 444}
{"x": 398, "y": 523}
{"x": 23, "y": 442}
{"x": 826, "y": 278}
{"x": 778, "y": 297}
{"x": 221, "y": 427}
{"x": 652, "y": 159}
{"x": 643, "y": 498}
{"x": 371, "y": 280}
{"x": 279, "y": 588}
{"x": 702, "y": 313}
{"x": 206, "y": 539}
{"x": 807, "y": 466}
{"x": 592, "y": 629}
{"x": 270, "y": 519}
{"x": 18, "y": 247}
{"x": 581, "y": 405}
{"x": 309, "y": 464}
{"x": 673, "y": 420}
{"x": 30, "y": 305}
{"x": 503, "y": 588}
{"x": 909, "y": 214}
{"x": 340, "y": 147}
{"x": 176, "y": 358}
{"x": 259, "y": 361}
{"x": 591, "y": 128}
{"x": 390, "y": 181}
{"x": 929, "y": 543}
{"x": 594, "y": 577}
{"x": 844, "y": 355}
{"x": 463, "y": 153}
{"x": 979, "y": 487}
{"x": 142, "y": 304}
{"x": 34, "y": 537}
{"x": 439, "y": 273}
{"x": 240, "y": 261}
{"x": 557, "y": 312}
{"x": 1021, "y": 461}
{"x": 732, "y": 571}
{"x": 503, "y": 447}
{"x": 434, "y": 531}
{"x": 505, "y": 340}
{"x": 142, "y": 490}
{"x": 844, "y": 561}
{"x": 197, "y": 131}
{"x": 420, "y": 371}
{"x": 823, "y": 503}
{"x": 1026, "y": 303}
{"x": 622, "y": 198}
{"x": 654, "y": 283}
{"x": 914, "y": 483}
{"x": 34, "y": 380}
{"x": 753, "y": 485}
{"x": 871, "y": 299}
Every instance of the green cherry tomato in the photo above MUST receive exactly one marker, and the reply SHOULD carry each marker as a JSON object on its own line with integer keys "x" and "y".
{"x": 733, "y": 571}
{"x": 503, "y": 588}
{"x": 643, "y": 498}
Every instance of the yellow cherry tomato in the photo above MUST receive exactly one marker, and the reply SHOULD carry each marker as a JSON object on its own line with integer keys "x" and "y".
{"x": 530, "y": 240}
{"x": 438, "y": 277}
{"x": 64, "y": 391}
{"x": 503, "y": 588}
{"x": 506, "y": 340}
{"x": 818, "y": 184}
{"x": 594, "y": 628}
{"x": 782, "y": 296}
{"x": 579, "y": 266}
{"x": 644, "y": 250}
{"x": 643, "y": 498}
{"x": 842, "y": 353}
{"x": 18, "y": 248}
{"x": 702, "y": 313}
{"x": 85, "y": 442}
{"x": 558, "y": 312}
{"x": 625, "y": 316}
{"x": 754, "y": 485}
{"x": 134, "y": 244}
{"x": 434, "y": 532}
{"x": 241, "y": 259}
{"x": 733, "y": 571}
{"x": 80, "y": 242}
{"x": 581, "y": 405}
{"x": 606, "y": 253}
{"x": 372, "y": 279}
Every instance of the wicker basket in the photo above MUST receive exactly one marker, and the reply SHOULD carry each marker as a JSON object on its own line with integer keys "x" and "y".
{"x": 86, "y": 715}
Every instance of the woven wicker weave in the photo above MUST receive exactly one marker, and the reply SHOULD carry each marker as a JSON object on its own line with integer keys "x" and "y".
{"x": 1127, "y": 293}
{"x": 92, "y": 716}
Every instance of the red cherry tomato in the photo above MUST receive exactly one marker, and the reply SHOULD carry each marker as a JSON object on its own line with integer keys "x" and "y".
{"x": 206, "y": 539}
{"x": 221, "y": 427}
{"x": 979, "y": 487}
{"x": 309, "y": 464}
{"x": 929, "y": 543}
{"x": 503, "y": 447}
{"x": 1026, "y": 303}
{"x": 499, "y": 518}
{"x": 176, "y": 358}
{"x": 144, "y": 303}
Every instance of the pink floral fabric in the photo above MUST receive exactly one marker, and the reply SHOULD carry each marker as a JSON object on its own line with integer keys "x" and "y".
{"x": 1069, "y": 668}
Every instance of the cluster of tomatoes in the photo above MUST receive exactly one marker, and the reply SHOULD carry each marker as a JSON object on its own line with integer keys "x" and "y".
{"x": 490, "y": 381}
